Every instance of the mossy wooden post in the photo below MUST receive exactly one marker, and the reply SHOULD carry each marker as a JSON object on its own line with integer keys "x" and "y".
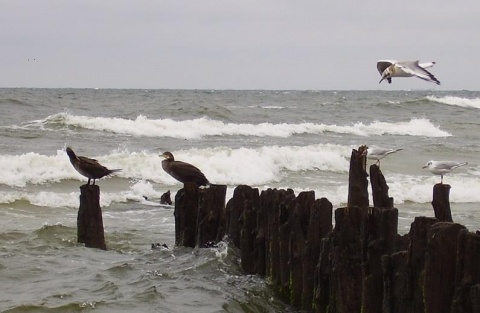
{"x": 357, "y": 179}
{"x": 441, "y": 202}
{"x": 186, "y": 211}
{"x": 89, "y": 219}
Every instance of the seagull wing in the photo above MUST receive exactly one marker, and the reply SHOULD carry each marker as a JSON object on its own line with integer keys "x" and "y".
{"x": 448, "y": 165}
{"x": 383, "y": 64}
{"x": 413, "y": 68}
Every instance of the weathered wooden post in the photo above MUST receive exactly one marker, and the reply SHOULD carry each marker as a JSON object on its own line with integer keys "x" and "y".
{"x": 441, "y": 202}
{"x": 346, "y": 258}
{"x": 234, "y": 210}
{"x": 357, "y": 179}
{"x": 186, "y": 211}
{"x": 165, "y": 198}
{"x": 440, "y": 266}
{"x": 89, "y": 220}
{"x": 467, "y": 275}
{"x": 396, "y": 283}
{"x": 416, "y": 260}
{"x": 320, "y": 225}
{"x": 380, "y": 237}
{"x": 299, "y": 215}
{"x": 379, "y": 189}
{"x": 273, "y": 203}
{"x": 211, "y": 215}
{"x": 199, "y": 215}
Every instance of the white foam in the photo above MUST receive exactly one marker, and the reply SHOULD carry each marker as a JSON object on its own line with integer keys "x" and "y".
{"x": 71, "y": 199}
{"x": 258, "y": 166}
{"x": 34, "y": 168}
{"x": 221, "y": 165}
{"x": 419, "y": 189}
{"x": 457, "y": 101}
{"x": 203, "y": 127}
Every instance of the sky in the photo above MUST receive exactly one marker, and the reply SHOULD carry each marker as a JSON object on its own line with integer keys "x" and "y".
{"x": 225, "y": 44}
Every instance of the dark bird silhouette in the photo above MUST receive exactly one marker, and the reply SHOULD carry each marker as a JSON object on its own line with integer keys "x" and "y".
{"x": 89, "y": 168}
{"x": 183, "y": 172}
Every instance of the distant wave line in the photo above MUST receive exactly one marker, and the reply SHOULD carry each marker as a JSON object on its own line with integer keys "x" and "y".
{"x": 204, "y": 127}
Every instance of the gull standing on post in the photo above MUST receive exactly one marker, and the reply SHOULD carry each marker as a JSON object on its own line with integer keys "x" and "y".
{"x": 377, "y": 153}
{"x": 442, "y": 167}
{"x": 389, "y": 69}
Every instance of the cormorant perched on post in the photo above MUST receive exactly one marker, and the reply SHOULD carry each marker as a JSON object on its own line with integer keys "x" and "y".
{"x": 89, "y": 168}
{"x": 183, "y": 172}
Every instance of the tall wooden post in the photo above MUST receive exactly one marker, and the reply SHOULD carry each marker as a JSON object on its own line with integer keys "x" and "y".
{"x": 357, "y": 179}
{"x": 89, "y": 219}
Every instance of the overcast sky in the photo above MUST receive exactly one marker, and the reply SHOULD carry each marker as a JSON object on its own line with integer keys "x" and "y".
{"x": 207, "y": 44}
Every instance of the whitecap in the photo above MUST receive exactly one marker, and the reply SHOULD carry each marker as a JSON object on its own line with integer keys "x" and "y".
{"x": 457, "y": 101}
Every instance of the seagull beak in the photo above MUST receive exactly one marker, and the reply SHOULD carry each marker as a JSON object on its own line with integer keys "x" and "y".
{"x": 381, "y": 80}
{"x": 425, "y": 166}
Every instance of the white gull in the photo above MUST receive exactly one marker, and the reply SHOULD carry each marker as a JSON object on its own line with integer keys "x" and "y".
{"x": 389, "y": 69}
{"x": 442, "y": 167}
{"x": 377, "y": 153}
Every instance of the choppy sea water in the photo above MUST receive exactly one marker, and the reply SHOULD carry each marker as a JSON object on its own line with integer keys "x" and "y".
{"x": 280, "y": 139}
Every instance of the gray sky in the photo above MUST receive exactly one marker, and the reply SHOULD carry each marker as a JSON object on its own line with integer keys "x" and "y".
{"x": 224, "y": 44}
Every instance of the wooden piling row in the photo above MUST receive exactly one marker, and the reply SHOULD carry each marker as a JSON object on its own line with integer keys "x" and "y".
{"x": 360, "y": 265}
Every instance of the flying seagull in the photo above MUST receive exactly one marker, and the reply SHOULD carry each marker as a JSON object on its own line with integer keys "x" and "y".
{"x": 377, "y": 153}
{"x": 389, "y": 69}
{"x": 442, "y": 167}
{"x": 89, "y": 168}
{"x": 182, "y": 171}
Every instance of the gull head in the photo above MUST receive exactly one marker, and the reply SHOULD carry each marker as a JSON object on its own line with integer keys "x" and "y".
{"x": 429, "y": 163}
{"x": 387, "y": 74}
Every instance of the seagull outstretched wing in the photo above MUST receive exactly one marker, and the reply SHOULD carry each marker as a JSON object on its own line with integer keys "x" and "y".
{"x": 414, "y": 69}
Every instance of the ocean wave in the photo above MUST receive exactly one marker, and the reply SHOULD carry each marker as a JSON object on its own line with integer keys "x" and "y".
{"x": 204, "y": 127}
{"x": 221, "y": 165}
{"x": 52, "y": 199}
{"x": 403, "y": 188}
{"x": 457, "y": 101}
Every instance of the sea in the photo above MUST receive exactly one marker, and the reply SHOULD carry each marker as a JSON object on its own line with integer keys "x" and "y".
{"x": 301, "y": 140}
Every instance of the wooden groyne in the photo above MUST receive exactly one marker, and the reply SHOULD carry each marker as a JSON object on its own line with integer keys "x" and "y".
{"x": 360, "y": 265}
